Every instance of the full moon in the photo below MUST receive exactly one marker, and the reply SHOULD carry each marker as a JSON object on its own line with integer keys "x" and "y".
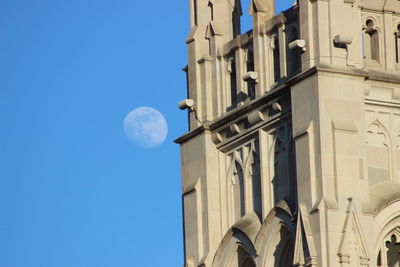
{"x": 146, "y": 127}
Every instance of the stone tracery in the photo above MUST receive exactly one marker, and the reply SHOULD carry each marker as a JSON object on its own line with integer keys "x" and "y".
{"x": 389, "y": 254}
{"x": 379, "y": 153}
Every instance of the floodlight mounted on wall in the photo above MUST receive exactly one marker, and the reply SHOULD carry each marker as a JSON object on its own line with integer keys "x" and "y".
{"x": 186, "y": 104}
{"x": 250, "y": 76}
{"x": 298, "y": 44}
{"x": 342, "y": 40}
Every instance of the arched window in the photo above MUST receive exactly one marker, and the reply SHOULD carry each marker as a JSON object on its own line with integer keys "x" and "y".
{"x": 388, "y": 245}
{"x": 279, "y": 250}
{"x": 397, "y": 44}
{"x": 236, "y": 250}
{"x": 280, "y": 168}
{"x": 393, "y": 252}
{"x": 392, "y": 256}
{"x": 371, "y": 41}
{"x": 389, "y": 248}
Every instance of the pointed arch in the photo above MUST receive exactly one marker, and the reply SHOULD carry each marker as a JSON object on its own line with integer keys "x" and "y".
{"x": 379, "y": 153}
{"x": 253, "y": 173}
{"x": 241, "y": 258}
{"x": 388, "y": 219}
{"x": 278, "y": 161}
{"x": 380, "y": 129}
{"x": 392, "y": 253}
{"x": 305, "y": 253}
{"x": 275, "y": 240}
{"x": 371, "y": 40}
{"x": 280, "y": 212}
{"x": 352, "y": 249}
{"x": 236, "y": 248}
{"x": 278, "y": 143}
{"x": 235, "y": 157}
{"x": 252, "y": 156}
{"x": 236, "y": 187}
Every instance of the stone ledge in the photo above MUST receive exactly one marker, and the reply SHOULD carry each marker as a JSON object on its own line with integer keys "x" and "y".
{"x": 283, "y": 90}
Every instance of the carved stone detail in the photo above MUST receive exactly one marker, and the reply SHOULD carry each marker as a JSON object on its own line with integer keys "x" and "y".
{"x": 379, "y": 153}
{"x": 353, "y": 250}
{"x": 305, "y": 254}
{"x": 244, "y": 184}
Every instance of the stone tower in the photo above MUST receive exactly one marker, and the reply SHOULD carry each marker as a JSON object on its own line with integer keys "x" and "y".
{"x": 293, "y": 152}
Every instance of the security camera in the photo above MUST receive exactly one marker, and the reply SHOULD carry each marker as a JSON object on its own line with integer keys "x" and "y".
{"x": 186, "y": 104}
{"x": 250, "y": 76}
{"x": 342, "y": 39}
{"x": 301, "y": 44}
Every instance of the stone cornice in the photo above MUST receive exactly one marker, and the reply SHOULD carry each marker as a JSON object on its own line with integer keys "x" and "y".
{"x": 367, "y": 74}
{"x": 265, "y": 101}
{"x": 192, "y": 134}
{"x": 237, "y": 114}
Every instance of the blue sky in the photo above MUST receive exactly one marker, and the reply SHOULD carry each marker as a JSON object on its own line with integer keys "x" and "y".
{"x": 74, "y": 192}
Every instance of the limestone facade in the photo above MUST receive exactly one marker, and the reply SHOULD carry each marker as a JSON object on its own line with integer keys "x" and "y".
{"x": 293, "y": 152}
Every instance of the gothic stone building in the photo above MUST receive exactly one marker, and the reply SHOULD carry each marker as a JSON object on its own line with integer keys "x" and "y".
{"x": 293, "y": 153}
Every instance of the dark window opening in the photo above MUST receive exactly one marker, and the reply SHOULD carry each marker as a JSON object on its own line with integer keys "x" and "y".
{"x": 277, "y": 61}
{"x": 393, "y": 252}
{"x": 396, "y": 46}
{"x": 251, "y": 85}
{"x": 233, "y": 84}
{"x": 293, "y": 61}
